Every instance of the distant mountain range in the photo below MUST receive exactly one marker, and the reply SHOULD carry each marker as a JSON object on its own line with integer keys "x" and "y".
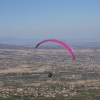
{"x": 16, "y": 41}
{"x": 26, "y": 42}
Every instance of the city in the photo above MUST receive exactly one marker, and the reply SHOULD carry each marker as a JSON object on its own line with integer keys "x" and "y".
{"x": 24, "y": 73}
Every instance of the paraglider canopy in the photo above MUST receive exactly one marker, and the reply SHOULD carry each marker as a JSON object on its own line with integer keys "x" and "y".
{"x": 65, "y": 45}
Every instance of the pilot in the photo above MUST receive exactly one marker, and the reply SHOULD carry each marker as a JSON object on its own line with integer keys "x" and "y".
{"x": 49, "y": 74}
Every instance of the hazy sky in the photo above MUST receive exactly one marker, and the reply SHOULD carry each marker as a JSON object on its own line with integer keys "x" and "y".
{"x": 33, "y": 19}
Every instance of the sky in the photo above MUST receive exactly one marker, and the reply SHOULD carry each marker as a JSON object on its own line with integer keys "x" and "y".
{"x": 42, "y": 19}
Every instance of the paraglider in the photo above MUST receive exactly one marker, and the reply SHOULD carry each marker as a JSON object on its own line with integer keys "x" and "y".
{"x": 49, "y": 74}
{"x": 65, "y": 45}
{"x": 61, "y": 43}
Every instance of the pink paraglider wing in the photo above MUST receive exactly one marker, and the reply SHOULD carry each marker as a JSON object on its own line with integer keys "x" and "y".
{"x": 59, "y": 42}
